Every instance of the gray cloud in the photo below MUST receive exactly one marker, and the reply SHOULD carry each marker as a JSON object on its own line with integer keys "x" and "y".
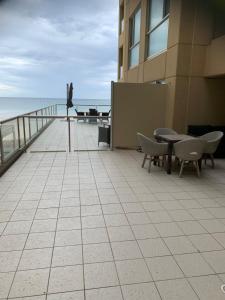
{"x": 45, "y": 43}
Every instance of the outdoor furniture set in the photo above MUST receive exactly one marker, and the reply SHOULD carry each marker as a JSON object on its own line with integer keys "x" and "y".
{"x": 94, "y": 114}
{"x": 186, "y": 149}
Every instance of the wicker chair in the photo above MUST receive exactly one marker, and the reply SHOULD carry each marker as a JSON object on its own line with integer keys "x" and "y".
{"x": 212, "y": 142}
{"x": 190, "y": 150}
{"x": 152, "y": 150}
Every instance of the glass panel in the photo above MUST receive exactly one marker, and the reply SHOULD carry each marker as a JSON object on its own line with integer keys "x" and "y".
{"x": 137, "y": 27}
{"x": 39, "y": 120}
{"x": 156, "y": 12}
{"x": 158, "y": 38}
{"x": 9, "y": 133}
{"x": 27, "y": 130}
{"x": 134, "y": 56}
{"x": 33, "y": 125}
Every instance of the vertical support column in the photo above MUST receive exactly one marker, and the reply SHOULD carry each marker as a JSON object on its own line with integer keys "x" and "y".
{"x": 18, "y": 130}
{"x": 1, "y": 145}
{"x": 29, "y": 128}
{"x": 37, "y": 121}
{"x": 24, "y": 132}
{"x": 69, "y": 138}
{"x": 42, "y": 120}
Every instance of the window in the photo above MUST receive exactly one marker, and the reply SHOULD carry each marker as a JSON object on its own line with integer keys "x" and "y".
{"x": 120, "y": 63}
{"x": 158, "y": 23}
{"x": 121, "y": 18}
{"x": 135, "y": 28}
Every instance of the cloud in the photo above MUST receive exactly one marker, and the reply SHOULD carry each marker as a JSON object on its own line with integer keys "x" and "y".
{"x": 45, "y": 43}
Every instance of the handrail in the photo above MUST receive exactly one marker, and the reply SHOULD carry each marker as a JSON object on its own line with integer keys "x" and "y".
{"x": 20, "y": 116}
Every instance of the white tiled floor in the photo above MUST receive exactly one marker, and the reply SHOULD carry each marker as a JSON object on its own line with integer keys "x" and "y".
{"x": 84, "y": 136}
{"x": 96, "y": 226}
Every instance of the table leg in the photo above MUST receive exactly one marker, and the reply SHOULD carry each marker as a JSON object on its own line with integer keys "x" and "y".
{"x": 169, "y": 159}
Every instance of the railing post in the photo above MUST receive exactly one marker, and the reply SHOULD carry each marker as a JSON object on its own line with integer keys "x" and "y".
{"x": 37, "y": 121}
{"x": 18, "y": 129}
{"x": 1, "y": 145}
{"x": 68, "y": 120}
{"x": 29, "y": 128}
{"x": 24, "y": 132}
{"x": 42, "y": 120}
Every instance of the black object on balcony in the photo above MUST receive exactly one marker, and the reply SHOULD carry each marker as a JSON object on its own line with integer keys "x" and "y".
{"x": 104, "y": 134}
{"x": 197, "y": 130}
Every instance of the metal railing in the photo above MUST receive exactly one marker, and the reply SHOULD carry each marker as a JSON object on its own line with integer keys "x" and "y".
{"x": 17, "y": 133}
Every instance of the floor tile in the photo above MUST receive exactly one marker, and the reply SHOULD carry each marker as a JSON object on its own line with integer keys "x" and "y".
{"x": 100, "y": 275}
{"x": 138, "y": 218}
{"x": 109, "y": 209}
{"x": 94, "y": 235}
{"x": 12, "y": 242}
{"x": 162, "y": 268}
{"x": 193, "y": 264}
{"x": 213, "y": 226}
{"x": 126, "y": 250}
{"x": 68, "y": 223}
{"x": 168, "y": 229}
{"x": 94, "y": 253}
{"x": 67, "y": 256}
{"x": 205, "y": 242}
{"x": 79, "y": 295}
{"x": 220, "y": 237}
{"x": 35, "y": 259}
{"x": 143, "y": 291}
{"x": 110, "y": 293}
{"x": 69, "y": 212}
{"x": 145, "y": 231}
{"x": 120, "y": 233}
{"x": 133, "y": 271}
{"x": 176, "y": 289}
{"x": 92, "y": 222}
{"x": 9, "y": 260}
{"x": 116, "y": 220}
{"x": 216, "y": 259}
{"x": 91, "y": 210}
{"x": 179, "y": 245}
{"x": 63, "y": 279}
{"x": 153, "y": 247}
{"x": 44, "y": 225}
{"x": 159, "y": 216}
{"x": 17, "y": 227}
{"x": 30, "y": 283}
{"x": 5, "y": 283}
{"x": 40, "y": 240}
{"x": 46, "y": 213}
{"x": 68, "y": 238}
{"x": 207, "y": 287}
{"x": 191, "y": 227}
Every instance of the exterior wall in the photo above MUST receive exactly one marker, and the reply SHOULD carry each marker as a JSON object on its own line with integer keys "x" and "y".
{"x": 192, "y": 56}
{"x": 136, "y": 107}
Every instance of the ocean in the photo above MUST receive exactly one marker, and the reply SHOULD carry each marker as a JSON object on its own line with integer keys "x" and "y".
{"x": 11, "y": 107}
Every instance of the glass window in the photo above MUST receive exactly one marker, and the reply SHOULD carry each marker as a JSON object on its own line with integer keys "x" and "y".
{"x": 158, "y": 38}
{"x": 135, "y": 27}
{"x": 134, "y": 56}
{"x": 158, "y": 24}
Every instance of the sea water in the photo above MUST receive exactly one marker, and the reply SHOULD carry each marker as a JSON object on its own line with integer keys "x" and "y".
{"x": 11, "y": 107}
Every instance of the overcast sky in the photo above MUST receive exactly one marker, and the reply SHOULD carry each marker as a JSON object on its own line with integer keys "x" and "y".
{"x": 46, "y": 43}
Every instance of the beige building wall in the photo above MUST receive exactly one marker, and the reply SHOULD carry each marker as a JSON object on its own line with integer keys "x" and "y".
{"x": 136, "y": 107}
{"x": 192, "y": 58}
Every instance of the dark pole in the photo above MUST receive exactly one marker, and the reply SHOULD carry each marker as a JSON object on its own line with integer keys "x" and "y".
{"x": 67, "y": 95}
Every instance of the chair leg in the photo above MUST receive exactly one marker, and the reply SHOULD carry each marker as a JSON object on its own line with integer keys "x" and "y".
{"x": 197, "y": 168}
{"x": 181, "y": 168}
{"x": 149, "y": 166}
{"x": 143, "y": 164}
{"x": 212, "y": 160}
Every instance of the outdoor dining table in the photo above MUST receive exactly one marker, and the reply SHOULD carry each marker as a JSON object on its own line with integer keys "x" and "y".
{"x": 171, "y": 139}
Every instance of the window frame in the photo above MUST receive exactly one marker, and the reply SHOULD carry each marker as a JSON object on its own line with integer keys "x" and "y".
{"x": 131, "y": 33}
{"x": 166, "y": 5}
